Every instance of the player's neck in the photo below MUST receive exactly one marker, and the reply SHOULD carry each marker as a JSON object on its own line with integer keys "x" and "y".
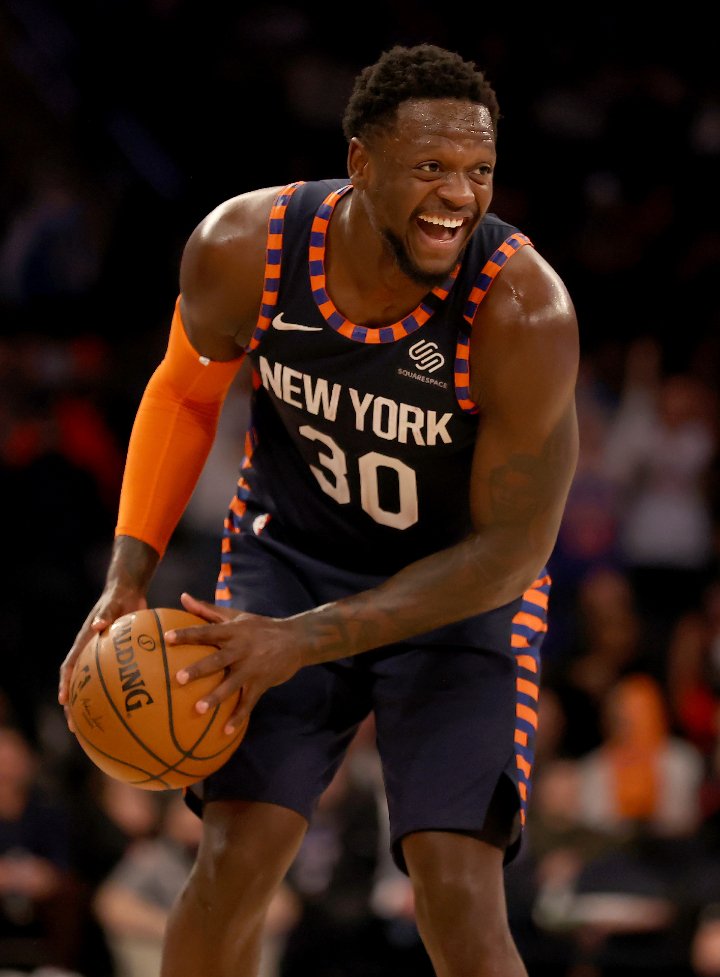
{"x": 362, "y": 275}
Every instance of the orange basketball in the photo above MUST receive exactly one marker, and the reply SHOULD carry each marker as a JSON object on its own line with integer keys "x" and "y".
{"x": 131, "y": 716}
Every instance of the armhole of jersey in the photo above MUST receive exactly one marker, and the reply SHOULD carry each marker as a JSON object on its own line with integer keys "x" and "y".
{"x": 481, "y": 287}
{"x": 273, "y": 261}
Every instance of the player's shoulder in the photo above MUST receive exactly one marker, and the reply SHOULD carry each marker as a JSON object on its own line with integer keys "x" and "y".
{"x": 531, "y": 293}
{"x": 526, "y": 323}
{"x": 225, "y": 254}
{"x": 245, "y": 216}
{"x": 239, "y": 218}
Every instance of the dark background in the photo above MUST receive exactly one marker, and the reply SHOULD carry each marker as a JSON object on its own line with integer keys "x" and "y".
{"x": 123, "y": 123}
{"x": 150, "y": 114}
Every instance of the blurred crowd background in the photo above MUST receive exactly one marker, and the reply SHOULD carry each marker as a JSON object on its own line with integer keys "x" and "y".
{"x": 122, "y": 123}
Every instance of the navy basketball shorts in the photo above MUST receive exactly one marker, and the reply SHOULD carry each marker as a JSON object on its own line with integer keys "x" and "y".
{"x": 455, "y": 710}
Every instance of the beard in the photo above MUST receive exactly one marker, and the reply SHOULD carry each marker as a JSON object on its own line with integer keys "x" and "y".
{"x": 430, "y": 279}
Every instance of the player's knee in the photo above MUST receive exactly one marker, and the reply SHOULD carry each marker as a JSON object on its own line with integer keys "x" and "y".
{"x": 226, "y": 863}
{"x": 226, "y": 883}
{"x": 463, "y": 923}
{"x": 461, "y": 938}
{"x": 456, "y": 875}
{"x": 232, "y": 860}
{"x": 456, "y": 893}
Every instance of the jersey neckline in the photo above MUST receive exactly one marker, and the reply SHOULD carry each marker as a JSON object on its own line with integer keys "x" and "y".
{"x": 335, "y": 319}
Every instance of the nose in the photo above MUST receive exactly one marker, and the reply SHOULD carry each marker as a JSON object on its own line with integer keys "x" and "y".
{"x": 456, "y": 189}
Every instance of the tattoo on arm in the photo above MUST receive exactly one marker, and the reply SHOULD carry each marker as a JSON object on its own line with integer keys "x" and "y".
{"x": 527, "y": 484}
{"x": 336, "y": 634}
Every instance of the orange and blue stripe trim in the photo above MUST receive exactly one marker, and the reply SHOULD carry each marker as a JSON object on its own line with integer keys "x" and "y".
{"x": 233, "y": 521}
{"x": 528, "y": 630}
{"x": 478, "y": 292}
{"x": 273, "y": 261}
{"x": 490, "y": 270}
{"x": 335, "y": 319}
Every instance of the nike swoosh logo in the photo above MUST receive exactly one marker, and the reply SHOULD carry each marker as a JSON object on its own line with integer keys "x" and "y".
{"x": 279, "y": 323}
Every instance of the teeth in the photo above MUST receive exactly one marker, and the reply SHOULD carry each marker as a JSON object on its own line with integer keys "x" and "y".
{"x": 449, "y": 222}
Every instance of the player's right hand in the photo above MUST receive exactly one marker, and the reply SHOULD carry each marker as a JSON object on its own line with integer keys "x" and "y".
{"x": 111, "y": 605}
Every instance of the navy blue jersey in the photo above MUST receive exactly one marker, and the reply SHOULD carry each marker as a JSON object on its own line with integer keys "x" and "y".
{"x": 361, "y": 440}
{"x": 358, "y": 462}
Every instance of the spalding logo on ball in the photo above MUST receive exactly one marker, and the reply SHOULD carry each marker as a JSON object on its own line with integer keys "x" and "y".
{"x": 132, "y": 717}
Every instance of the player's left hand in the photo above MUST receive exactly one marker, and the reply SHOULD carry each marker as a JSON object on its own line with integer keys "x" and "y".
{"x": 254, "y": 652}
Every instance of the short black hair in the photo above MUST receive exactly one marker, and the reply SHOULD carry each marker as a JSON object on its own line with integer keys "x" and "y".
{"x": 424, "y": 71}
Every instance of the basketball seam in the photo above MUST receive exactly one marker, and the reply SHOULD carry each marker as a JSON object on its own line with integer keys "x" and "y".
{"x": 175, "y": 767}
{"x": 189, "y": 753}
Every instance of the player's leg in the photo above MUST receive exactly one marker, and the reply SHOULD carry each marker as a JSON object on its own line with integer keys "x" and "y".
{"x": 456, "y": 720}
{"x": 257, "y": 806}
{"x": 216, "y": 924}
{"x": 460, "y": 896}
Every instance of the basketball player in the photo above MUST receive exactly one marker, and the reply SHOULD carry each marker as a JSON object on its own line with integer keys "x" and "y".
{"x": 412, "y": 444}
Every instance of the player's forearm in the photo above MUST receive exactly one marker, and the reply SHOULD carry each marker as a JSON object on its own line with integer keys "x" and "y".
{"x": 169, "y": 445}
{"x": 132, "y": 565}
{"x": 483, "y": 572}
{"x": 171, "y": 439}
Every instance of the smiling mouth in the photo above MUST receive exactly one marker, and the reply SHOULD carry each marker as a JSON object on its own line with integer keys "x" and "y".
{"x": 440, "y": 229}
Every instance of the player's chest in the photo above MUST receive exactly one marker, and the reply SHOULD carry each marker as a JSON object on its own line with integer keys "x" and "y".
{"x": 404, "y": 391}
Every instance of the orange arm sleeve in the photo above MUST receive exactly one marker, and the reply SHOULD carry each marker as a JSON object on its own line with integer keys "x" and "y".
{"x": 171, "y": 438}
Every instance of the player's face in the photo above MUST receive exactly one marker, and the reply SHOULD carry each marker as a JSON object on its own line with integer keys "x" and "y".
{"x": 427, "y": 183}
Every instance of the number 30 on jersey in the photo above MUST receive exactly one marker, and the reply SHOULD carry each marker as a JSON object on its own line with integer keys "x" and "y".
{"x": 332, "y": 479}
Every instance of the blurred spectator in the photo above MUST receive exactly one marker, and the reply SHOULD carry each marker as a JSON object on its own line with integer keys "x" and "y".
{"x": 608, "y": 641}
{"x": 134, "y": 900}
{"x": 541, "y": 886}
{"x": 642, "y": 775}
{"x": 590, "y": 523}
{"x": 588, "y": 536}
{"x": 705, "y": 946}
{"x": 613, "y": 832}
{"x": 693, "y": 686}
{"x": 60, "y": 469}
{"x": 108, "y": 818}
{"x": 53, "y": 242}
{"x": 694, "y": 675}
{"x": 37, "y": 900}
{"x": 660, "y": 451}
{"x": 701, "y": 880}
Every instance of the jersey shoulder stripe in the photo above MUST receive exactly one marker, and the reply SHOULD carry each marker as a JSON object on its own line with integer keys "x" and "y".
{"x": 490, "y": 270}
{"x": 273, "y": 262}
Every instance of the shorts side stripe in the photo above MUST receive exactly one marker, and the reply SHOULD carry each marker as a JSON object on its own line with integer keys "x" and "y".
{"x": 528, "y": 630}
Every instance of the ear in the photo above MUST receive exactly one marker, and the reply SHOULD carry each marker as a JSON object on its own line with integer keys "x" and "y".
{"x": 358, "y": 159}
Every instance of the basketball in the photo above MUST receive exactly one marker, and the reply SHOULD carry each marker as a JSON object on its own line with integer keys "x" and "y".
{"x": 131, "y": 716}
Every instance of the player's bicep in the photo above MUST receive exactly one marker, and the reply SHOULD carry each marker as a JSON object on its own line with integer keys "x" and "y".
{"x": 527, "y": 445}
{"x": 524, "y": 363}
{"x": 222, "y": 274}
